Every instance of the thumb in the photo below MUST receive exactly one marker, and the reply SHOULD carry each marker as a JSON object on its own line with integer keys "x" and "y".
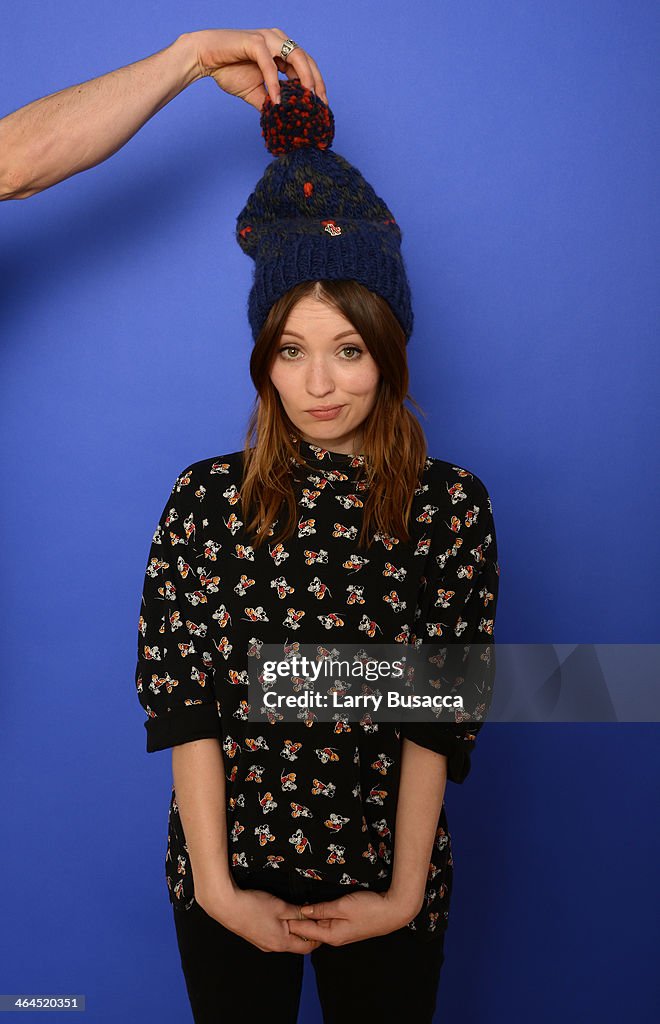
{"x": 314, "y": 910}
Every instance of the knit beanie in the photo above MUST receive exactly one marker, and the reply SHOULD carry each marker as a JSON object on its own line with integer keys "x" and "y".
{"x": 312, "y": 216}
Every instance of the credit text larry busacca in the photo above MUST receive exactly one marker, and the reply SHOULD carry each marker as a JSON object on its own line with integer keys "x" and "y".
{"x": 335, "y": 699}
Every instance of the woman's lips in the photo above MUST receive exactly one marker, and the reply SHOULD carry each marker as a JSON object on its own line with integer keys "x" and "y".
{"x": 326, "y": 414}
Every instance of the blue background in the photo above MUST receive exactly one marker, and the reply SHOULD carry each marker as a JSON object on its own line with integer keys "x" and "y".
{"x": 515, "y": 144}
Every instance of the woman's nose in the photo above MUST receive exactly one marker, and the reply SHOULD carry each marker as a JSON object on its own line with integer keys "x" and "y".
{"x": 319, "y": 377}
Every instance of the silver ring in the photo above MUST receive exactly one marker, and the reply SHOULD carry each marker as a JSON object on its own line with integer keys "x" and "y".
{"x": 287, "y": 46}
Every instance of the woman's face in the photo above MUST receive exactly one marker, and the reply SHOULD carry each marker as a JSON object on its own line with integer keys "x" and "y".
{"x": 321, "y": 361}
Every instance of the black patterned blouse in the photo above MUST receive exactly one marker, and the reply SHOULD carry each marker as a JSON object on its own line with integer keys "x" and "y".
{"x": 210, "y": 602}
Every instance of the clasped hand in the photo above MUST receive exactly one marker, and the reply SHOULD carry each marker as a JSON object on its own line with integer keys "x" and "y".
{"x": 273, "y": 924}
{"x": 351, "y": 918}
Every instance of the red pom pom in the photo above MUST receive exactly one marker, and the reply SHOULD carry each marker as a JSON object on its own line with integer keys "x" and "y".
{"x": 298, "y": 121}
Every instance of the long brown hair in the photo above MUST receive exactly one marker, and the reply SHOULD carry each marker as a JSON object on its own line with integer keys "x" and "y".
{"x": 394, "y": 443}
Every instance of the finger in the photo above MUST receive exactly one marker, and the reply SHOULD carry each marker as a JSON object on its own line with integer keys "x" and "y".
{"x": 268, "y": 69}
{"x": 290, "y": 910}
{"x": 296, "y": 944}
{"x": 319, "y": 88}
{"x": 296, "y": 68}
{"x": 315, "y": 911}
{"x": 291, "y": 69}
{"x": 320, "y": 911}
{"x": 320, "y": 930}
{"x": 297, "y": 60}
{"x": 308, "y": 944}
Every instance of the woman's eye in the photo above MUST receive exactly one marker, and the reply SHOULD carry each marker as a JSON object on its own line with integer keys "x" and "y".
{"x": 288, "y": 349}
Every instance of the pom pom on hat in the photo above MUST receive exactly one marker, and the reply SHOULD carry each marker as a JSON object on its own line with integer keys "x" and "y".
{"x": 300, "y": 120}
{"x": 313, "y": 216}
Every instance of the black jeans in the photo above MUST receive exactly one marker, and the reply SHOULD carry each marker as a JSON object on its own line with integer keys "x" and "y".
{"x": 388, "y": 978}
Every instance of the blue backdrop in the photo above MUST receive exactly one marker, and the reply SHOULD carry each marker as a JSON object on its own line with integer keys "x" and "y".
{"x": 514, "y": 144}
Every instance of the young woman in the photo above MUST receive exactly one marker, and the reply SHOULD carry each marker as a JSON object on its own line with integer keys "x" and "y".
{"x": 333, "y": 526}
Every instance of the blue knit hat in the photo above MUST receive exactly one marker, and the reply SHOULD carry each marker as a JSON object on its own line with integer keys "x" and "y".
{"x": 312, "y": 216}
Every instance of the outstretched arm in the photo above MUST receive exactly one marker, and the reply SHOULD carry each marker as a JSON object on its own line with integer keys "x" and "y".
{"x": 69, "y": 131}
{"x": 73, "y": 129}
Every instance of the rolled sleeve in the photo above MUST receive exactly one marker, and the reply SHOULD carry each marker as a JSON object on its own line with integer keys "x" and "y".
{"x": 174, "y": 675}
{"x": 457, "y": 610}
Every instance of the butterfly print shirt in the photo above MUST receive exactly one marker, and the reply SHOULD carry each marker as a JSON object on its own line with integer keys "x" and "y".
{"x": 315, "y": 796}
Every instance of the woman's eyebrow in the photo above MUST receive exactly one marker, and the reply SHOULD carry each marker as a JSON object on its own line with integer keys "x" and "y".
{"x": 343, "y": 334}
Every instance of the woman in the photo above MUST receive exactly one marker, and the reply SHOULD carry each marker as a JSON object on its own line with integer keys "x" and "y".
{"x": 332, "y": 527}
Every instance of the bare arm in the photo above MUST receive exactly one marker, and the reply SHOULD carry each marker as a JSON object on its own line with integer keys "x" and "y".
{"x": 71, "y": 130}
{"x": 76, "y": 128}
{"x": 421, "y": 792}
{"x": 199, "y": 786}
